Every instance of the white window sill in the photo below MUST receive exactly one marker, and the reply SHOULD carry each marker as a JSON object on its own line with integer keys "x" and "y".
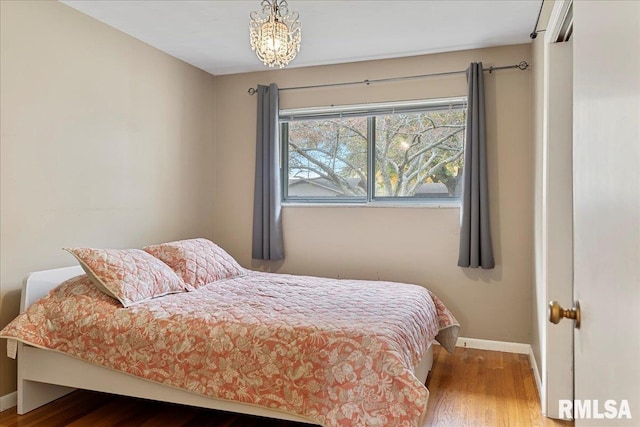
{"x": 422, "y": 205}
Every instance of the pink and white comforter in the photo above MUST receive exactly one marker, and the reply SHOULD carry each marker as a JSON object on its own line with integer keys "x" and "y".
{"x": 338, "y": 352}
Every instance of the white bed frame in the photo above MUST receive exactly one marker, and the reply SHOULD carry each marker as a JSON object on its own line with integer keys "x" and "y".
{"x": 46, "y": 375}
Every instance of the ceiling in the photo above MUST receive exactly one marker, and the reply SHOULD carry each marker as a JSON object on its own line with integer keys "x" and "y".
{"x": 214, "y": 35}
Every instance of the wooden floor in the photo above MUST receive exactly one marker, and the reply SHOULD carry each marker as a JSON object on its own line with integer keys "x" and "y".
{"x": 484, "y": 388}
{"x": 470, "y": 388}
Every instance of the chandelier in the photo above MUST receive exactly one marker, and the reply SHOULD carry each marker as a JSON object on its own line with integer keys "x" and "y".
{"x": 275, "y": 33}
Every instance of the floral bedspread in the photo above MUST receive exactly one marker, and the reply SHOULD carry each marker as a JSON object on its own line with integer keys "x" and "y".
{"x": 338, "y": 352}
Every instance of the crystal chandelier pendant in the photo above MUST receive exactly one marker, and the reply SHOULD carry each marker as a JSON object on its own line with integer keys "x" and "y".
{"x": 275, "y": 33}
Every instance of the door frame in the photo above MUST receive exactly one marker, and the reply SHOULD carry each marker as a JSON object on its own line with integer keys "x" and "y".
{"x": 557, "y": 211}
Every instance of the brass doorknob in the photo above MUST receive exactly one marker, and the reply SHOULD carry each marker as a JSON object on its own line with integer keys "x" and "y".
{"x": 556, "y": 313}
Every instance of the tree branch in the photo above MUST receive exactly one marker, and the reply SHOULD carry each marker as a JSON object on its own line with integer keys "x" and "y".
{"x": 435, "y": 144}
{"x": 330, "y": 174}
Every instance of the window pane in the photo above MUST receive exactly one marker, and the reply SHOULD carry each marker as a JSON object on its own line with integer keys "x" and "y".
{"x": 420, "y": 155}
{"x": 327, "y": 158}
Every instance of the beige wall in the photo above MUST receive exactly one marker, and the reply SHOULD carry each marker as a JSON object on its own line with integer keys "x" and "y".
{"x": 105, "y": 142}
{"x": 402, "y": 244}
{"x": 109, "y": 142}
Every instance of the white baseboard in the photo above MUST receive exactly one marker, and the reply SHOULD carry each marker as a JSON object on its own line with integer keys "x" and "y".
{"x": 506, "y": 347}
{"x": 536, "y": 373}
{"x": 8, "y": 401}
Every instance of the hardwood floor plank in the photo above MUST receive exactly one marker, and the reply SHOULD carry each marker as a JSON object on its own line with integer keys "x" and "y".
{"x": 116, "y": 412}
{"x": 472, "y": 388}
{"x": 169, "y": 416}
{"x": 58, "y": 414}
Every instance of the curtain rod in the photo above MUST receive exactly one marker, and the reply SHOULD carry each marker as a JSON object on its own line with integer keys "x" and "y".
{"x": 523, "y": 65}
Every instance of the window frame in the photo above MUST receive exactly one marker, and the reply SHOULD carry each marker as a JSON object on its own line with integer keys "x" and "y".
{"x": 370, "y": 111}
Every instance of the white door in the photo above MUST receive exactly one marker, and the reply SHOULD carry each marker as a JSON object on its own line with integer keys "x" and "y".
{"x": 606, "y": 165}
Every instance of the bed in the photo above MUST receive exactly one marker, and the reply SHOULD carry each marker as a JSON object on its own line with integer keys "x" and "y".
{"x": 46, "y": 372}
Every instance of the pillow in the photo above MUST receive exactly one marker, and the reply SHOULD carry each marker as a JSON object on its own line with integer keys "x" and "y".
{"x": 197, "y": 261}
{"x": 128, "y": 275}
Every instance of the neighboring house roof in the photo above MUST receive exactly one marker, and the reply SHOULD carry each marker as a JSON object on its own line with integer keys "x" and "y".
{"x": 323, "y": 187}
{"x": 318, "y": 182}
{"x": 430, "y": 188}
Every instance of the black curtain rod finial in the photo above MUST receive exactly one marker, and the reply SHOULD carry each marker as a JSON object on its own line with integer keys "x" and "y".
{"x": 534, "y": 33}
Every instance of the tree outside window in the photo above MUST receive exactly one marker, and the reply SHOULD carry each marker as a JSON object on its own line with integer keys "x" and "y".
{"x": 413, "y": 155}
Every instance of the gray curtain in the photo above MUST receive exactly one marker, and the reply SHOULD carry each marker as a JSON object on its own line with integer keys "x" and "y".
{"x": 475, "y": 234}
{"x": 267, "y": 221}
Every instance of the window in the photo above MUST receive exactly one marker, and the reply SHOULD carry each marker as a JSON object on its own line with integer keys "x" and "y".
{"x": 379, "y": 152}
